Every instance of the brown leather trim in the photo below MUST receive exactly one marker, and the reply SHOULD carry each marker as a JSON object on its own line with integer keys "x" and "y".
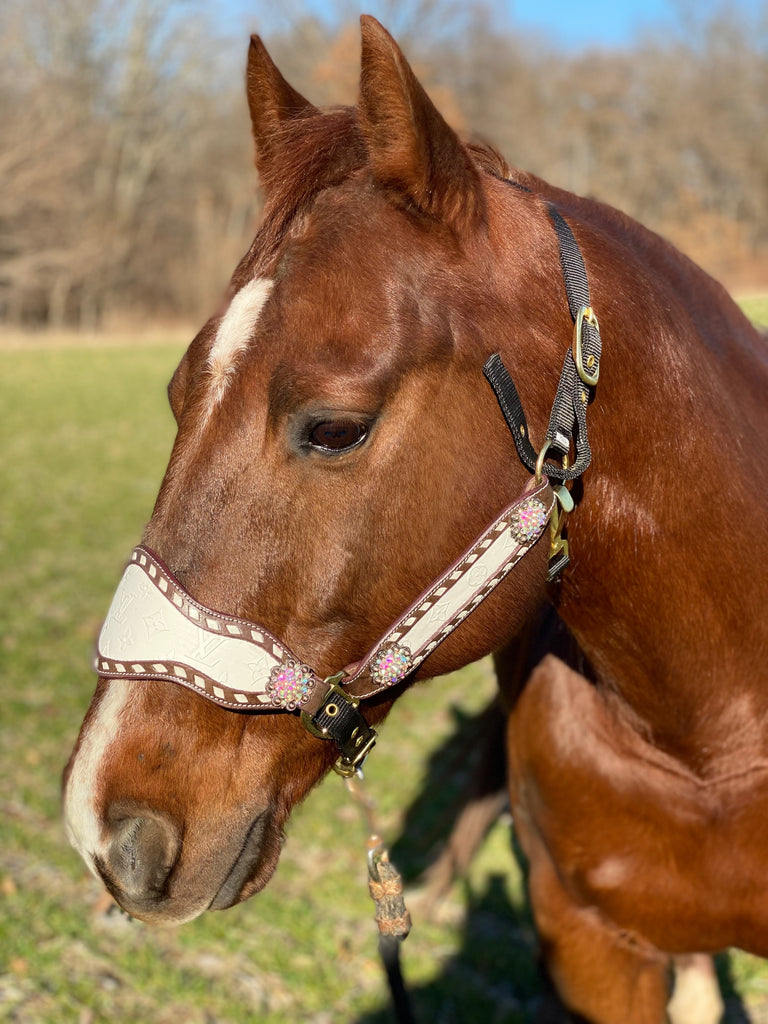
{"x": 291, "y": 684}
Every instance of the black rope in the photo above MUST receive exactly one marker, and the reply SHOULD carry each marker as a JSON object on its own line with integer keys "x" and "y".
{"x": 389, "y": 951}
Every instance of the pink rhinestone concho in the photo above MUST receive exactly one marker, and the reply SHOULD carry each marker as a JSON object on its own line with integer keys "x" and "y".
{"x": 290, "y": 684}
{"x": 391, "y": 665}
{"x": 528, "y": 522}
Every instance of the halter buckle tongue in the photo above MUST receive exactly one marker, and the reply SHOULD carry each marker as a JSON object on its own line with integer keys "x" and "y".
{"x": 338, "y": 719}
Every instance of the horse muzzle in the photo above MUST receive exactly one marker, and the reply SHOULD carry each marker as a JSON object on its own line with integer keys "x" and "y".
{"x": 140, "y": 854}
{"x": 168, "y": 844}
{"x": 144, "y": 866}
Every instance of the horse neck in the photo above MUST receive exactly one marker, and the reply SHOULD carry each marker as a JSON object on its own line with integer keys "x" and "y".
{"x": 662, "y": 592}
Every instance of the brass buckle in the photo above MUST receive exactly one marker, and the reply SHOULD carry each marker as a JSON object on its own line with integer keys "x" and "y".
{"x": 589, "y": 378}
{"x": 559, "y": 556}
{"x": 348, "y": 763}
{"x": 346, "y": 767}
{"x": 332, "y": 682}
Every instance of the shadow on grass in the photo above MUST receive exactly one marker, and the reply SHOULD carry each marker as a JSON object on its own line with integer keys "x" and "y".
{"x": 469, "y": 766}
{"x": 735, "y": 1010}
{"x": 494, "y": 977}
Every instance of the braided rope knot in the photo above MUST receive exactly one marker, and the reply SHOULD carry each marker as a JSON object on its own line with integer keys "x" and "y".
{"x": 386, "y": 890}
{"x": 398, "y": 927}
{"x": 388, "y": 887}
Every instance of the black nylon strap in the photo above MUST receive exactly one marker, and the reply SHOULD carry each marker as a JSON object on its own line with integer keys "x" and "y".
{"x": 338, "y": 719}
{"x": 574, "y": 271}
{"x": 568, "y": 419}
{"x": 504, "y": 388}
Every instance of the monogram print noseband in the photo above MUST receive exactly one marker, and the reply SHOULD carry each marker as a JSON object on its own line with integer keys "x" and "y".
{"x": 155, "y": 629}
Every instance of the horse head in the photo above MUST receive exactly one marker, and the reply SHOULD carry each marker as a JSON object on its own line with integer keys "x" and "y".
{"x": 337, "y": 448}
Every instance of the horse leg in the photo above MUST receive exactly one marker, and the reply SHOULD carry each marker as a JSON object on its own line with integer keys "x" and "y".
{"x": 696, "y": 998}
{"x": 603, "y": 974}
{"x": 606, "y": 973}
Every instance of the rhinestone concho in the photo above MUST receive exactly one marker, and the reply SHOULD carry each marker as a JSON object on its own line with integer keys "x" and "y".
{"x": 528, "y": 521}
{"x": 391, "y": 665}
{"x": 290, "y": 684}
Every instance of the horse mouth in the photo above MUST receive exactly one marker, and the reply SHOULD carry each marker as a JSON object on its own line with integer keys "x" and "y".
{"x": 245, "y": 865}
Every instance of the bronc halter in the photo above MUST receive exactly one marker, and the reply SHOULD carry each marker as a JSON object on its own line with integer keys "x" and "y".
{"x": 155, "y": 629}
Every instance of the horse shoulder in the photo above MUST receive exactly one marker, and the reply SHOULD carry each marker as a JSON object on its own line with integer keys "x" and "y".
{"x": 636, "y": 835}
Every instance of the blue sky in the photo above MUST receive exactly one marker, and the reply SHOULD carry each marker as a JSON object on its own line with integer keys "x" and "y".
{"x": 573, "y": 24}
{"x": 602, "y": 22}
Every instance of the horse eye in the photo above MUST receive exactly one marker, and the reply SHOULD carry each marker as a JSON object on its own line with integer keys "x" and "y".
{"x": 337, "y": 435}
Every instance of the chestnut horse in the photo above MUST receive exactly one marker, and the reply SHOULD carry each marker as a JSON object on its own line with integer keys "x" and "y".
{"x": 338, "y": 447}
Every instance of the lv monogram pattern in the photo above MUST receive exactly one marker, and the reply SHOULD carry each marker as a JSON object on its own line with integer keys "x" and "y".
{"x": 156, "y": 630}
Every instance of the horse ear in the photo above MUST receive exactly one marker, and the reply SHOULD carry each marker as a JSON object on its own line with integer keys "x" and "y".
{"x": 272, "y": 102}
{"x": 411, "y": 147}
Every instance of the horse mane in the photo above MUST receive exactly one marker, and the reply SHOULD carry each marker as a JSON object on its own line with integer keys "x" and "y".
{"x": 490, "y": 160}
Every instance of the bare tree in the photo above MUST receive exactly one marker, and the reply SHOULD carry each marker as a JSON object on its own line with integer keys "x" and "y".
{"x": 126, "y": 181}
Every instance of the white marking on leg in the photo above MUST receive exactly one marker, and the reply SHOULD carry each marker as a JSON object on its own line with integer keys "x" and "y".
{"x": 235, "y": 332}
{"x": 696, "y": 998}
{"x": 80, "y": 817}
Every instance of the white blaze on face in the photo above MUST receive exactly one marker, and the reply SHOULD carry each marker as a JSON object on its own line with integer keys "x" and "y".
{"x": 235, "y": 332}
{"x": 80, "y": 817}
{"x": 80, "y": 812}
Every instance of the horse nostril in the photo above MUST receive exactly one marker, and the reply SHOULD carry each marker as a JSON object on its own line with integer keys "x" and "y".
{"x": 141, "y": 854}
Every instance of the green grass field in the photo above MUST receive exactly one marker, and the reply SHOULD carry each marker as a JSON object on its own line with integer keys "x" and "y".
{"x": 85, "y": 435}
{"x": 756, "y": 309}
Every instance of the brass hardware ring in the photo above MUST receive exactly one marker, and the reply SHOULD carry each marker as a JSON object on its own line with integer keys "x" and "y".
{"x": 588, "y": 314}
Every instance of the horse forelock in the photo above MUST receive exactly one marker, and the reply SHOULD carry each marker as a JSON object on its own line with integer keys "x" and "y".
{"x": 319, "y": 151}
{"x": 316, "y": 152}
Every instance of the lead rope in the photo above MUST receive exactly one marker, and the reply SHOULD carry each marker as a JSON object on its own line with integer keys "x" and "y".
{"x": 385, "y": 885}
